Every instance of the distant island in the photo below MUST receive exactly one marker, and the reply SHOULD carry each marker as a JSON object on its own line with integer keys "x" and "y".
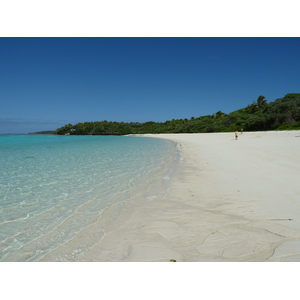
{"x": 282, "y": 114}
{"x": 43, "y": 132}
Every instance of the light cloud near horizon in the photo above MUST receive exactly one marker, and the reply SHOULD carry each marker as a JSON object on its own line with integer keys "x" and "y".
{"x": 22, "y": 125}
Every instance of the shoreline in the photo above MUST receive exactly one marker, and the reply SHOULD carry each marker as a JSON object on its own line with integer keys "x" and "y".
{"x": 228, "y": 200}
{"x": 82, "y": 247}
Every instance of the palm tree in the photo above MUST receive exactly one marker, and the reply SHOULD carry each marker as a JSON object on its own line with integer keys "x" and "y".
{"x": 261, "y": 102}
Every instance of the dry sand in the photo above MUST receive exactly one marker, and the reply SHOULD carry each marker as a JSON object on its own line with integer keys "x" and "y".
{"x": 231, "y": 200}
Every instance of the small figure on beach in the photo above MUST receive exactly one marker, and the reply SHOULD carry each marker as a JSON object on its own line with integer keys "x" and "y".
{"x": 242, "y": 130}
{"x": 236, "y": 134}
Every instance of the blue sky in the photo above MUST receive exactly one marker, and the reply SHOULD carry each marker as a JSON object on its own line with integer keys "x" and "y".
{"x": 49, "y": 82}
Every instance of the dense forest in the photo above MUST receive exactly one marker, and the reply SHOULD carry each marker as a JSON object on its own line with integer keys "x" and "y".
{"x": 282, "y": 114}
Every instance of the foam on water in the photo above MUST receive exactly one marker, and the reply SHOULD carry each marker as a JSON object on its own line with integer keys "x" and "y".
{"x": 54, "y": 187}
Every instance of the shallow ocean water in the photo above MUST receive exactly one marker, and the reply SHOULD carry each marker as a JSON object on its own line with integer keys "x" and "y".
{"x": 53, "y": 187}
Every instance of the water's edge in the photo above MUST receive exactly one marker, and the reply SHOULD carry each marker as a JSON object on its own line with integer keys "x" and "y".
{"x": 113, "y": 216}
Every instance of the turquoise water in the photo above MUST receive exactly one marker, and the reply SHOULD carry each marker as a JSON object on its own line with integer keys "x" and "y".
{"x": 53, "y": 187}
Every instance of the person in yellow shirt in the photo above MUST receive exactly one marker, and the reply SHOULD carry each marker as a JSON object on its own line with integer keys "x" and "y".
{"x": 236, "y": 134}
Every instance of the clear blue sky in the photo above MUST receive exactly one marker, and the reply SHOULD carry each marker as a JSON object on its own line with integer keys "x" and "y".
{"x": 49, "y": 82}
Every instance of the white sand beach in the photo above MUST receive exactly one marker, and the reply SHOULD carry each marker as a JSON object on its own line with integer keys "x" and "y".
{"x": 231, "y": 200}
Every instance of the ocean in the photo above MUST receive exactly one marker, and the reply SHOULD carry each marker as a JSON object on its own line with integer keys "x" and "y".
{"x": 52, "y": 188}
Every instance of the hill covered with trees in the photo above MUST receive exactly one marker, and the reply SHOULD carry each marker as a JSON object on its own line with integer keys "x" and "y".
{"x": 282, "y": 114}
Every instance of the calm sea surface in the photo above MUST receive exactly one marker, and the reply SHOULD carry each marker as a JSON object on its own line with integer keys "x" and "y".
{"x": 53, "y": 187}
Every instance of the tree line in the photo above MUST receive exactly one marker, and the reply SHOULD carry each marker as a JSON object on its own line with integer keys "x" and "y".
{"x": 282, "y": 114}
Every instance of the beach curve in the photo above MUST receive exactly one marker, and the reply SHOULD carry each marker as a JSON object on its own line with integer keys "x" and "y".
{"x": 230, "y": 200}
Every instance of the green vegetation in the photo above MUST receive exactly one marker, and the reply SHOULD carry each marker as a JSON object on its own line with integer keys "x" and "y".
{"x": 282, "y": 114}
